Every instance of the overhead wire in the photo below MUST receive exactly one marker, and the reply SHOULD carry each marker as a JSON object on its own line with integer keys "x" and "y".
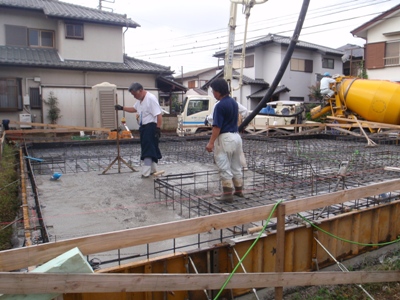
{"x": 223, "y": 30}
{"x": 175, "y": 51}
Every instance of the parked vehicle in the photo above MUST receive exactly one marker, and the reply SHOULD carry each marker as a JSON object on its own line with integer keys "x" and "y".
{"x": 196, "y": 108}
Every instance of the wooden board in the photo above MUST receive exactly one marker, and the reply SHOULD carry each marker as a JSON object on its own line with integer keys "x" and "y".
{"x": 23, "y": 257}
{"x": 107, "y": 283}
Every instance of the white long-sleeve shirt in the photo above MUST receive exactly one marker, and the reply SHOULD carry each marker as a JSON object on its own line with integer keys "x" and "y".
{"x": 325, "y": 83}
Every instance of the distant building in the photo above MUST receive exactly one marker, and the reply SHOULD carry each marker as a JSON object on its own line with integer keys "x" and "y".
{"x": 382, "y": 48}
{"x": 263, "y": 60}
{"x": 64, "y": 49}
{"x": 353, "y": 60}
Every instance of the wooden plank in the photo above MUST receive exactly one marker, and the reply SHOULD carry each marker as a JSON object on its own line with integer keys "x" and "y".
{"x": 394, "y": 222}
{"x": 375, "y": 228}
{"x": 2, "y": 143}
{"x": 38, "y": 131}
{"x": 355, "y": 233}
{"x": 345, "y": 131}
{"x": 280, "y": 247}
{"x": 33, "y": 283}
{"x": 15, "y": 259}
{"x": 392, "y": 169}
{"x": 369, "y": 123}
{"x": 61, "y": 126}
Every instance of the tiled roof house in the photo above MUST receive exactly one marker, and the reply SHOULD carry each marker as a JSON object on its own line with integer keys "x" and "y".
{"x": 382, "y": 48}
{"x": 263, "y": 59}
{"x": 48, "y": 46}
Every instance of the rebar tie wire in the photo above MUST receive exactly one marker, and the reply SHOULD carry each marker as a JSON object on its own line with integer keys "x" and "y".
{"x": 248, "y": 251}
{"x": 343, "y": 268}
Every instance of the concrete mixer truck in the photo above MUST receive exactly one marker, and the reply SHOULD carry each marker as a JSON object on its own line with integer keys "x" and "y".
{"x": 362, "y": 99}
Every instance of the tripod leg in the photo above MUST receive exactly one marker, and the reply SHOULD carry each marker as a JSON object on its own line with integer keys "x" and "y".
{"x": 129, "y": 166}
{"x": 110, "y": 165}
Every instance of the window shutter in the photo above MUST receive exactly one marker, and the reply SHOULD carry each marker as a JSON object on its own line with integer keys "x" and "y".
{"x": 374, "y": 54}
{"x": 16, "y": 35}
{"x": 308, "y": 66}
{"x": 249, "y": 61}
{"x": 34, "y": 97}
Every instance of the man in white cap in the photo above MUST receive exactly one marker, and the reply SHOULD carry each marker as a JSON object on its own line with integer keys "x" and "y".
{"x": 325, "y": 88}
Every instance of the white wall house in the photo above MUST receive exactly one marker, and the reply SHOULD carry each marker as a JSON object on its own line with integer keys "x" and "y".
{"x": 263, "y": 60}
{"x": 382, "y": 48}
{"x": 48, "y": 46}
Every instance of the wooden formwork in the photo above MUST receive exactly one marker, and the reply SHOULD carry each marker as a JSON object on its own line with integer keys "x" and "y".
{"x": 279, "y": 258}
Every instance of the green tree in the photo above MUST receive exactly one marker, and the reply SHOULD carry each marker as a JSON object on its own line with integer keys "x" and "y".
{"x": 54, "y": 111}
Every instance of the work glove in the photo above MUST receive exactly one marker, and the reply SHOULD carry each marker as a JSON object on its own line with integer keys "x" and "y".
{"x": 119, "y": 107}
{"x": 158, "y": 133}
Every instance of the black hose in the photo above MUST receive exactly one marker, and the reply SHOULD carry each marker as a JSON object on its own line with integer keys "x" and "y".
{"x": 282, "y": 68}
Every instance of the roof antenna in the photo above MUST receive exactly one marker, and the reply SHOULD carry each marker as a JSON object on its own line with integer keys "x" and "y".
{"x": 101, "y": 7}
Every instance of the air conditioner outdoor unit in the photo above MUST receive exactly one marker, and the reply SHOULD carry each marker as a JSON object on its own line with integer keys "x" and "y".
{"x": 25, "y": 118}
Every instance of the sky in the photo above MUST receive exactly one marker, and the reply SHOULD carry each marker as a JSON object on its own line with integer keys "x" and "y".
{"x": 185, "y": 34}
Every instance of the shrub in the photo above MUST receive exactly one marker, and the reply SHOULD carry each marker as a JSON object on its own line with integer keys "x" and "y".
{"x": 9, "y": 201}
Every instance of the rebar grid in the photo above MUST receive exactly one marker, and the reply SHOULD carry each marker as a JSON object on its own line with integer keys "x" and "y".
{"x": 287, "y": 170}
{"x": 277, "y": 169}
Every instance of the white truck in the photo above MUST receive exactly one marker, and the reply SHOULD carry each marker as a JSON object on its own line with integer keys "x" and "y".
{"x": 196, "y": 108}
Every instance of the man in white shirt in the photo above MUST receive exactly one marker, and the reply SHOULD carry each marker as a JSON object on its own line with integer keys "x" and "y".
{"x": 150, "y": 120}
{"x": 243, "y": 112}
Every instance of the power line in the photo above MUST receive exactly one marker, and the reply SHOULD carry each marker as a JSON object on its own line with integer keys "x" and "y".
{"x": 194, "y": 49}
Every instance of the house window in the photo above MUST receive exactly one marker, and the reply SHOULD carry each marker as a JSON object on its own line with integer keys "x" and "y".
{"x": 392, "y": 54}
{"x": 301, "y": 65}
{"x": 192, "y": 84}
{"x": 16, "y": 35}
{"x": 249, "y": 61}
{"x": 34, "y": 97}
{"x": 40, "y": 38}
{"x": 23, "y": 36}
{"x": 74, "y": 31}
{"x": 328, "y": 63}
{"x": 10, "y": 94}
{"x": 297, "y": 99}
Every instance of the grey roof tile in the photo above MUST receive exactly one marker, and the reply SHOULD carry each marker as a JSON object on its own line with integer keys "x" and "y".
{"x": 197, "y": 72}
{"x": 235, "y": 74}
{"x": 49, "y": 58}
{"x": 248, "y": 80}
{"x": 62, "y": 10}
{"x": 352, "y": 50}
{"x": 279, "y": 39}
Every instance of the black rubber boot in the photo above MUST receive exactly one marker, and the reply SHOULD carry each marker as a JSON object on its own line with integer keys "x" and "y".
{"x": 227, "y": 196}
{"x": 239, "y": 191}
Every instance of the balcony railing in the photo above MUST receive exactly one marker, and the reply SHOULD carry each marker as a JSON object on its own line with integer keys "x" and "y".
{"x": 392, "y": 61}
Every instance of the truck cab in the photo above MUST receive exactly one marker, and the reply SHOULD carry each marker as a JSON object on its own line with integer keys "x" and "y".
{"x": 195, "y": 109}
